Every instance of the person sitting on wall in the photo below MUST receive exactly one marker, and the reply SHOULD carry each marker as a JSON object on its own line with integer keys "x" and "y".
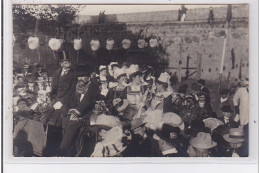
{"x": 211, "y": 15}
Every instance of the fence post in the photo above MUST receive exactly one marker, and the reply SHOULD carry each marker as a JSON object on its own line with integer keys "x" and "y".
{"x": 199, "y": 65}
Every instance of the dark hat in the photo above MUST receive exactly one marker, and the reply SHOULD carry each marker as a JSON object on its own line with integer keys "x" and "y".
{"x": 202, "y": 82}
{"x": 196, "y": 87}
{"x": 169, "y": 133}
{"x": 22, "y": 100}
{"x": 226, "y": 108}
{"x": 183, "y": 88}
{"x": 65, "y": 56}
{"x": 201, "y": 94}
{"x": 224, "y": 91}
{"x": 135, "y": 123}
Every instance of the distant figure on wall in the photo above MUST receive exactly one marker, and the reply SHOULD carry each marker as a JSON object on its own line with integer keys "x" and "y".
{"x": 101, "y": 17}
{"x": 211, "y": 15}
{"x": 183, "y": 12}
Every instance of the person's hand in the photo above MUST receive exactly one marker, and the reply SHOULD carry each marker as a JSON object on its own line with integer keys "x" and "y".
{"x": 57, "y": 105}
{"x": 116, "y": 101}
{"x": 236, "y": 119}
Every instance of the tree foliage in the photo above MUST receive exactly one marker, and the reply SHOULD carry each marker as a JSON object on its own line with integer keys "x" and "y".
{"x": 51, "y": 18}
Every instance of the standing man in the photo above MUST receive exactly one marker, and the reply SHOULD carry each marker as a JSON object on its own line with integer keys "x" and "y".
{"x": 63, "y": 87}
{"x": 241, "y": 104}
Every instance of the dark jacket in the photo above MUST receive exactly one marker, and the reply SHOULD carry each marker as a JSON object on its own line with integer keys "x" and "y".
{"x": 63, "y": 87}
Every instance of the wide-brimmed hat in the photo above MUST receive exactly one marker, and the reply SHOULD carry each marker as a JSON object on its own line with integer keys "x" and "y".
{"x": 203, "y": 141}
{"x": 133, "y": 70}
{"x": 173, "y": 119}
{"x": 235, "y": 135}
{"x": 212, "y": 123}
{"x": 112, "y": 145}
{"x": 135, "y": 123}
{"x": 168, "y": 133}
{"x": 106, "y": 122}
{"x": 163, "y": 78}
{"x": 119, "y": 72}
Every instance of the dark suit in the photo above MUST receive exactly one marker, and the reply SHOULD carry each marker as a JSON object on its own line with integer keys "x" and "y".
{"x": 63, "y": 87}
{"x": 85, "y": 107}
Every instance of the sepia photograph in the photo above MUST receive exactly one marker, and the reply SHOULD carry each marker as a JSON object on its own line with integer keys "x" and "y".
{"x": 130, "y": 80}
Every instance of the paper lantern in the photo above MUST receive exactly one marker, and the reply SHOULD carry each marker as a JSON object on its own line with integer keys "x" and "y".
{"x": 110, "y": 44}
{"x": 153, "y": 42}
{"x": 94, "y": 44}
{"x": 77, "y": 44}
{"x": 33, "y": 42}
{"x": 141, "y": 43}
{"x": 177, "y": 40}
{"x": 54, "y": 44}
{"x": 126, "y": 43}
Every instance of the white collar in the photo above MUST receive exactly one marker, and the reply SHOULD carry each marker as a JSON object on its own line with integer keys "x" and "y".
{"x": 223, "y": 99}
{"x": 170, "y": 151}
{"x": 166, "y": 94}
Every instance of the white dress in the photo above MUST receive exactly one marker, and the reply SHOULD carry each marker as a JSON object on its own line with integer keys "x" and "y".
{"x": 241, "y": 99}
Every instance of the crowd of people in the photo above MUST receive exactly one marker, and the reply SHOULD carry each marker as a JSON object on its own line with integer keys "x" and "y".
{"x": 125, "y": 110}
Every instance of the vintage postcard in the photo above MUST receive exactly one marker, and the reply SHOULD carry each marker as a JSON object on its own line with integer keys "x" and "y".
{"x": 121, "y": 80}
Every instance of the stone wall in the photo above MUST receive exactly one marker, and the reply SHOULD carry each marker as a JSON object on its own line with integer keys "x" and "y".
{"x": 205, "y": 39}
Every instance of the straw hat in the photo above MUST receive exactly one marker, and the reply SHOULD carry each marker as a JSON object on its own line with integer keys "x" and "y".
{"x": 94, "y": 44}
{"x": 33, "y": 42}
{"x": 173, "y": 119}
{"x": 54, "y": 44}
{"x": 203, "y": 141}
{"x": 235, "y": 135}
{"x": 106, "y": 122}
{"x": 39, "y": 80}
{"x": 133, "y": 70}
{"x": 126, "y": 43}
{"x": 212, "y": 123}
{"x": 112, "y": 144}
{"x": 25, "y": 66}
{"x": 77, "y": 44}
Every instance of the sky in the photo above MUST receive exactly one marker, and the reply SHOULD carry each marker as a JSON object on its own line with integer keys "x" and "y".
{"x": 119, "y": 9}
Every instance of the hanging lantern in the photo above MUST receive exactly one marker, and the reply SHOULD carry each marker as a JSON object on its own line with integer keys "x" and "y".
{"x": 141, "y": 43}
{"x": 94, "y": 44}
{"x": 126, "y": 43}
{"x": 33, "y": 42}
{"x": 77, "y": 44}
{"x": 109, "y": 44}
{"x": 177, "y": 40}
{"x": 153, "y": 42}
{"x": 54, "y": 44}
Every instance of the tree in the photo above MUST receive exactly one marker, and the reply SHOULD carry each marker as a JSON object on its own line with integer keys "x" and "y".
{"x": 43, "y": 18}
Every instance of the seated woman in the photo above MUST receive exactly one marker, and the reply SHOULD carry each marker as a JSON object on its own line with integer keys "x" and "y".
{"x": 134, "y": 92}
{"x": 163, "y": 99}
{"x": 115, "y": 101}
